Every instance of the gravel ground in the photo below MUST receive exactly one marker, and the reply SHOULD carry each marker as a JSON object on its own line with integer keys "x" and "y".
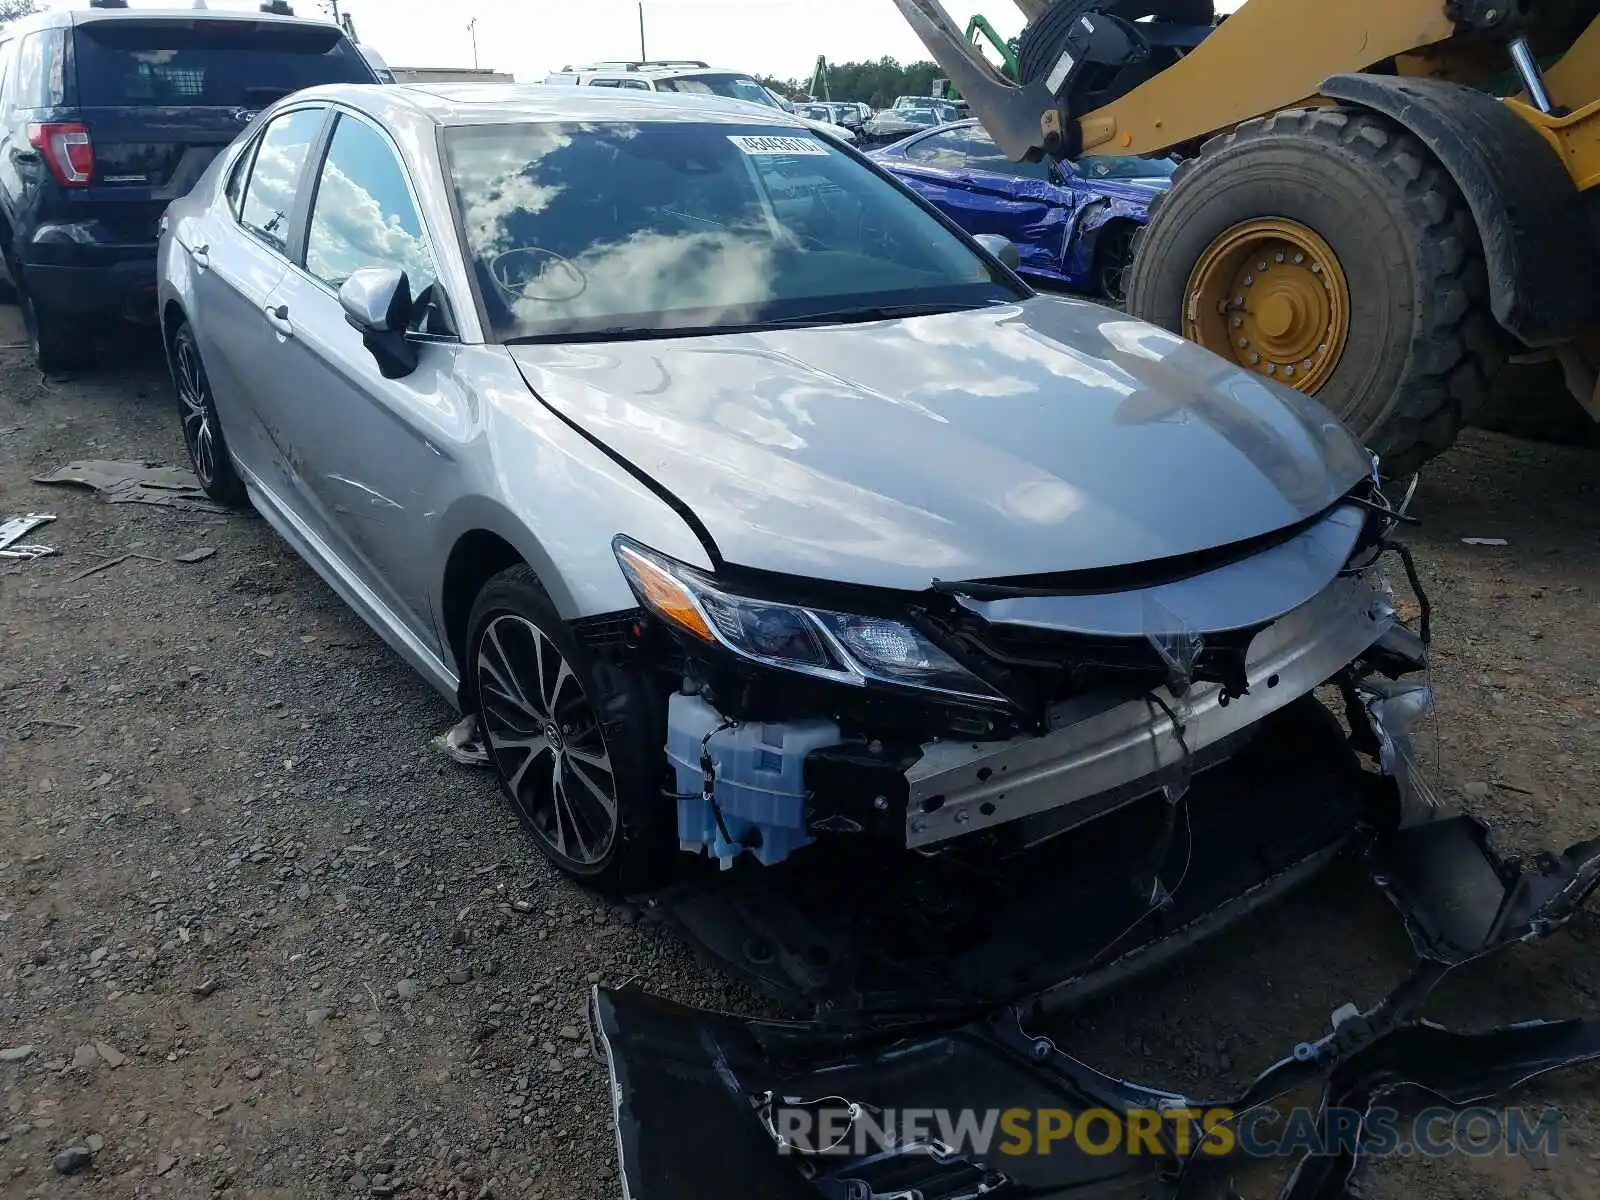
{"x": 263, "y": 940}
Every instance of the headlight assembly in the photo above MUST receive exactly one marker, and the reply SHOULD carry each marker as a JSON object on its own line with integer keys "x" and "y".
{"x": 843, "y": 647}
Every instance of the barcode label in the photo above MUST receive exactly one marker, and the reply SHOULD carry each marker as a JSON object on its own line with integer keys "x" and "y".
{"x": 778, "y": 145}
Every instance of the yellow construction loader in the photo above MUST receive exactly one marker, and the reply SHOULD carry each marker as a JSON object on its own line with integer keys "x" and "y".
{"x": 1380, "y": 203}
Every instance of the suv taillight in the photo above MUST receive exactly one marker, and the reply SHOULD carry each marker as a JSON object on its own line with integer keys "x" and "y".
{"x": 67, "y": 151}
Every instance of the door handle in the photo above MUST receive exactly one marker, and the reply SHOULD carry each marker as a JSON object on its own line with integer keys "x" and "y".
{"x": 201, "y": 256}
{"x": 278, "y": 318}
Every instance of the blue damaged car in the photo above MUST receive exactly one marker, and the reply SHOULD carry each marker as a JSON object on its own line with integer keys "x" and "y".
{"x": 1073, "y": 223}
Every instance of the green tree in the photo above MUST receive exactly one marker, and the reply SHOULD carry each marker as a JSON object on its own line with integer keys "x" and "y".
{"x": 10, "y": 10}
{"x": 878, "y": 83}
{"x": 787, "y": 88}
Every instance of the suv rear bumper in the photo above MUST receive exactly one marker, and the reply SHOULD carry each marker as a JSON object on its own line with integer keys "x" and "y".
{"x": 84, "y": 277}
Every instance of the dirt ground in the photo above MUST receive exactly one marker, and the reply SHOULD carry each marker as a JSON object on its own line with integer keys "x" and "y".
{"x": 265, "y": 942}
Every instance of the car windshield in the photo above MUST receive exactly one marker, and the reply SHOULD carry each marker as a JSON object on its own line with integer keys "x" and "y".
{"x": 734, "y": 87}
{"x": 633, "y": 229}
{"x": 1110, "y": 166}
{"x": 815, "y": 112}
{"x": 207, "y": 61}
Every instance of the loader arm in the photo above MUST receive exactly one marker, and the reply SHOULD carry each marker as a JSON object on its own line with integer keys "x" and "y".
{"x": 1187, "y": 100}
{"x": 1014, "y": 114}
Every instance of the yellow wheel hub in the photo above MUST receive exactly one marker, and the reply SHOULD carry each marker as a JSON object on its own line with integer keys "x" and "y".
{"x": 1270, "y": 295}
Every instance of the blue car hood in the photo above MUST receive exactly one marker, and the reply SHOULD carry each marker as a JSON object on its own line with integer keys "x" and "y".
{"x": 1040, "y": 436}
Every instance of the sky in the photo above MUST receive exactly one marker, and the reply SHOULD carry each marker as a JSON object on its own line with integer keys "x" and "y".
{"x": 530, "y": 38}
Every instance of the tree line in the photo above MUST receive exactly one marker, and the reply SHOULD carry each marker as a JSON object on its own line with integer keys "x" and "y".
{"x": 875, "y": 83}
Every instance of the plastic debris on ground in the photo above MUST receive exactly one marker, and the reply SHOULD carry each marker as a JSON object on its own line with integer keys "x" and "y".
{"x": 14, "y": 529}
{"x": 789, "y": 1109}
{"x": 136, "y": 483}
{"x": 462, "y": 743}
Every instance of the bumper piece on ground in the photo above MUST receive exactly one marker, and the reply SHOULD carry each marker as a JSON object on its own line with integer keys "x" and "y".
{"x": 740, "y": 1083}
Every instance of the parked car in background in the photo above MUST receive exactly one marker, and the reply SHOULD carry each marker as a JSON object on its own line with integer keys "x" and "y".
{"x": 833, "y": 112}
{"x": 689, "y": 77}
{"x": 1073, "y": 223}
{"x": 892, "y": 124}
{"x": 746, "y": 501}
{"x": 109, "y": 113}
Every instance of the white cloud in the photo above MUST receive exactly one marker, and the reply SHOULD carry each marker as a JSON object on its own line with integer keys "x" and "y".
{"x": 724, "y": 273}
{"x": 533, "y": 37}
{"x": 776, "y": 37}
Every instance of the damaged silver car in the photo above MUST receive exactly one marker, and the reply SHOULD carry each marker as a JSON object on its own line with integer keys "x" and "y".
{"x": 750, "y": 505}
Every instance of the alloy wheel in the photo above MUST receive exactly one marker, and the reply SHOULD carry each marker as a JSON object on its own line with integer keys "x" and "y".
{"x": 199, "y": 429}
{"x": 547, "y": 742}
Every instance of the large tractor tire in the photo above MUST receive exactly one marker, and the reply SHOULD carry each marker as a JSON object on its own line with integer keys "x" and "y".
{"x": 1325, "y": 248}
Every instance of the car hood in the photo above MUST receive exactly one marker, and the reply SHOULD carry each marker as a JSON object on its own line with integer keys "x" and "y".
{"x": 1042, "y": 436}
{"x": 894, "y": 124}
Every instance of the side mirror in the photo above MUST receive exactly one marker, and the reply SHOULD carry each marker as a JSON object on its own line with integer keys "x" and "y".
{"x": 1002, "y": 248}
{"x": 377, "y": 303}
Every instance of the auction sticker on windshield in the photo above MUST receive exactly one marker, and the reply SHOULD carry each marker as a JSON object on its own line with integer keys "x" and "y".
{"x": 778, "y": 145}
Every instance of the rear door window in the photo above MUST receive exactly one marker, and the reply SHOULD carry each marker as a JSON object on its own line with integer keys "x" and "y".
{"x": 38, "y": 82}
{"x": 269, "y": 196}
{"x": 207, "y": 61}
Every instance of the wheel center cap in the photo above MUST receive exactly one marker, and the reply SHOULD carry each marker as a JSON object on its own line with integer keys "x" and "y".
{"x": 1276, "y": 315}
{"x": 552, "y": 734}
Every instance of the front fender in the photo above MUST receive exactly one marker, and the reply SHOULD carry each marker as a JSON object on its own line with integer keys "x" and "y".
{"x": 556, "y": 498}
{"x": 1083, "y": 235}
{"x": 1540, "y": 249}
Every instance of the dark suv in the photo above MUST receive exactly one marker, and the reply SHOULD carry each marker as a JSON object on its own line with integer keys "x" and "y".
{"x": 108, "y": 113}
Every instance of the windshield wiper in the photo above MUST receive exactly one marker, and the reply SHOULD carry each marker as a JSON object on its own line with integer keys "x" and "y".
{"x": 842, "y": 316}
{"x": 630, "y": 333}
{"x": 876, "y": 312}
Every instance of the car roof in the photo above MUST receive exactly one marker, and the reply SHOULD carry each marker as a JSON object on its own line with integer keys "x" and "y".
{"x": 58, "y": 17}
{"x": 518, "y": 103}
{"x": 653, "y": 70}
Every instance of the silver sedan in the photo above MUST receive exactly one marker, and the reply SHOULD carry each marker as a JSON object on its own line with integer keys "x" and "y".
{"x": 740, "y": 498}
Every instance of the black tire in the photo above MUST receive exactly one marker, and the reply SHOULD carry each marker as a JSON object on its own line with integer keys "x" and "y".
{"x": 202, "y": 427}
{"x": 603, "y": 718}
{"x": 1422, "y": 343}
{"x": 1042, "y": 42}
{"x": 8, "y": 263}
{"x": 1532, "y": 401}
{"x": 59, "y": 341}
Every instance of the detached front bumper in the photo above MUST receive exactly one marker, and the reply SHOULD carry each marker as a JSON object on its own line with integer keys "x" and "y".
{"x": 711, "y": 1105}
